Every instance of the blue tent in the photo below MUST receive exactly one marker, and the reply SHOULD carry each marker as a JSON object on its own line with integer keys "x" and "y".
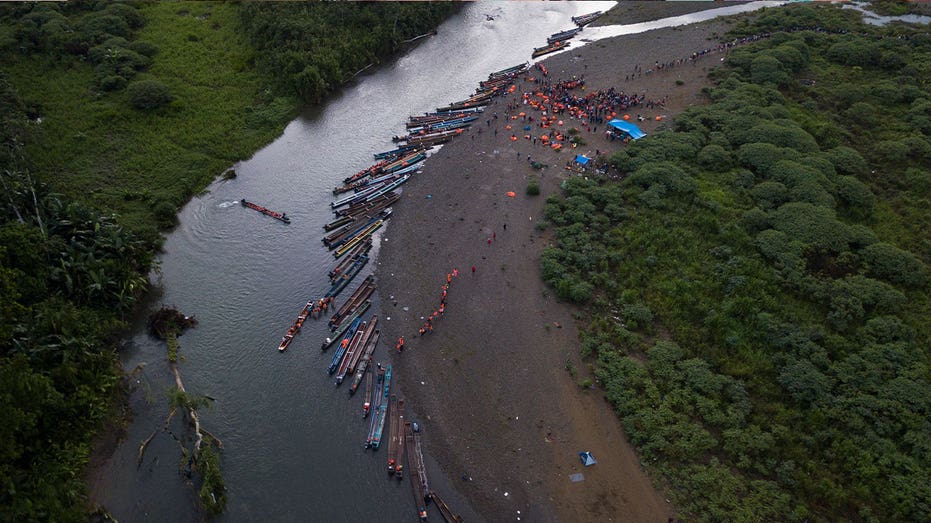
{"x": 627, "y": 128}
{"x": 587, "y": 459}
{"x": 581, "y": 159}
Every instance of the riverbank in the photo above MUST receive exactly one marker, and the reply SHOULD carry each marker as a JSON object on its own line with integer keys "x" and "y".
{"x": 502, "y": 413}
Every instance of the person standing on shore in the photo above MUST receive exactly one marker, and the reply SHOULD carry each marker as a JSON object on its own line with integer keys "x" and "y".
{"x": 473, "y": 270}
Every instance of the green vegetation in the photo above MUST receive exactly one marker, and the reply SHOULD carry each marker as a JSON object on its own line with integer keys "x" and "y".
{"x": 67, "y": 278}
{"x": 112, "y": 115}
{"x": 758, "y": 284}
{"x": 312, "y": 48}
{"x": 533, "y": 186}
{"x": 140, "y": 114}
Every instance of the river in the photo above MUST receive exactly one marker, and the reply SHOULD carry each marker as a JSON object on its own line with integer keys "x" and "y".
{"x": 292, "y": 440}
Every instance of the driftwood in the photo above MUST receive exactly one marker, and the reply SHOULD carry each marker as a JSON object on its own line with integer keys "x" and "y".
{"x": 192, "y": 413}
{"x": 167, "y": 324}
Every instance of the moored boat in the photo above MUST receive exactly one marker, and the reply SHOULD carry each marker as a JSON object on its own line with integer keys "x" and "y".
{"x": 340, "y": 283}
{"x": 445, "y": 511}
{"x": 357, "y": 330}
{"x": 393, "y": 153}
{"x": 417, "y": 470}
{"x": 365, "y": 362}
{"x": 552, "y": 48}
{"x": 395, "y": 434}
{"x": 372, "y": 394}
{"x": 519, "y": 68}
{"x": 563, "y": 35}
{"x": 341, "y": 332}
{"x": 368, "y": 231}
{"x": 369, "y": 208}
{"x": 378, "y": 420}
{"x": 348, "y": 365}
{"x": 360, "y": 295}
{"x": 583, "y": 20}
{"x": 340, "y": 268}
{"x": 444, "y": 126}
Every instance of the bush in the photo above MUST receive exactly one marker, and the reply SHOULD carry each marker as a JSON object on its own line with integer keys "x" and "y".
{"x": 533, "y": 187}
{"x": 149, "y": 94}
{"x": 847, "y": 161}
{"x": 767, "y": 69}
{"x": 128, "y": 13}
{"x": 856, "y": 196}
{"x": 637, "y": 316}
{"x": 144, "y": 48}
{"x": 99, "y": 27}
{"x": 112, "y": 83}
{"x": 770, "y": 195}
{"x": 812, "y": 225}
{"x": 715, "y": 158}
{"x": 788, "y": 135}
{"x": 890, "y": 263}
{"x": 166, "y": 214}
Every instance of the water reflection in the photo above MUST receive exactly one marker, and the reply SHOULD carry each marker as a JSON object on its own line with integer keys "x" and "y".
{"x": 872, "y": 18}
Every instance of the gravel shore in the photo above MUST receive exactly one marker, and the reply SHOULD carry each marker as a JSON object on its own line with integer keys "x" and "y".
{"x": 502, "y": 415}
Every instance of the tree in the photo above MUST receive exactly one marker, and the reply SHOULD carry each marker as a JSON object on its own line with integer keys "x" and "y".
{"x": 854, "y": 195}
{"x": 146, "y": 95}
{"x": 767, "y": 69}
{"x": 770, "y": 195}
{"x": 805, "y": 383}
{"x": 715, "y": 158}
{"x": 812, "y": 225}
{"x": 890, "y": 263}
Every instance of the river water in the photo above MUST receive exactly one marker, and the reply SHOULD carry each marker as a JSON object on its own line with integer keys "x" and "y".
{"x": 292, "y": 440}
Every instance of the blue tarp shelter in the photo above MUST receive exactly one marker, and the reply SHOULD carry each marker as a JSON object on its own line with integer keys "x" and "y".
{"x": 587, "y": 459}
{"x": 581, "y": 159}
{"x": 627, "y": 128}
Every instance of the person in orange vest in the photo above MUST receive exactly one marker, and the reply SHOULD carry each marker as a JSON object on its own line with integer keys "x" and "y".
{"x": 400, "y": 345}
{"x": 344, "y": 343}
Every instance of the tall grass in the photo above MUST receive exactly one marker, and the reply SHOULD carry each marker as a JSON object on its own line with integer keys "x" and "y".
{"x": 94, "y": 145}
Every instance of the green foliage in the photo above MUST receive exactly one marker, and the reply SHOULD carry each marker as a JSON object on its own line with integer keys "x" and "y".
{"x": 224, "y": 112}
{"x": 533, "y": 187}
{"x": 57, "y": 359}
{"x": 790, "y": 381}
{"x": 212, "y": 491}
{"x": 180, "y": 400}
{"x": 767, "y": 69}
{"x": 770, "y": 195}
{"x": 856, "y": 197}
{"x": 890, "y": 263}
{"x": 312, "y": 48}
{"x": 637, "y": 316}
{"x": 146, "y": 95}
{"x": 714, "y": 157}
